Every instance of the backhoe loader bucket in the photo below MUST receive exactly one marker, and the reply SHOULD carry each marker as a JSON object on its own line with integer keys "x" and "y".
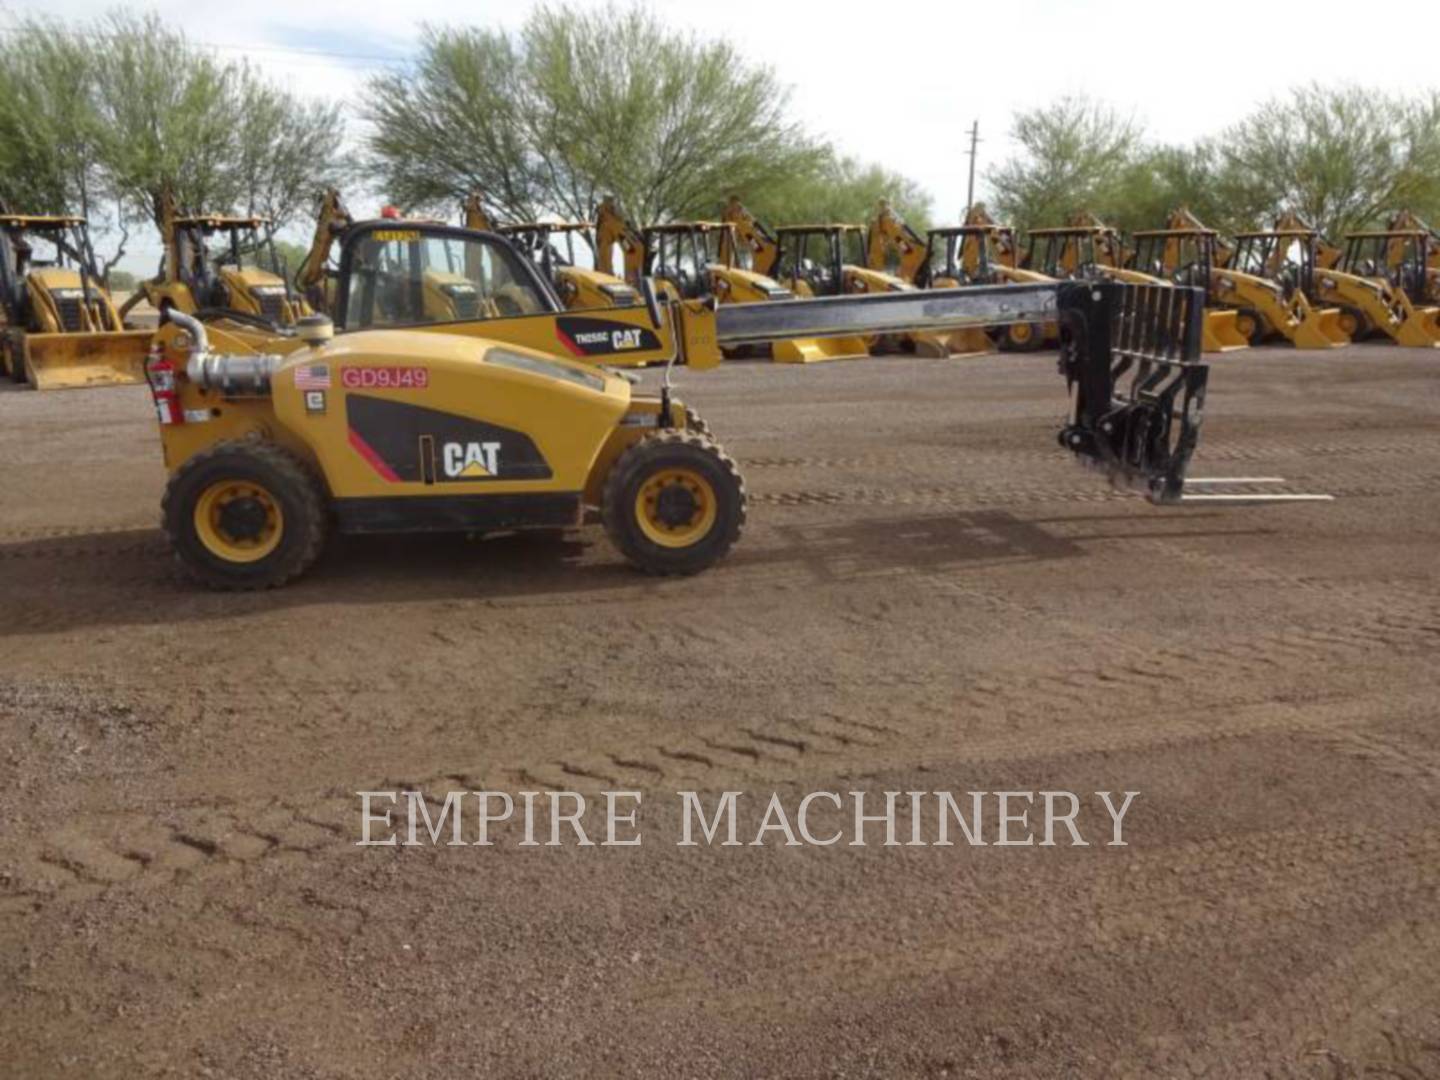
{"x": 1222, "y": 332}
{"x": 1421, "y": 329}
{"x": 811, "y": 350}
{"x": 1131, "y": 354}
{"x": 970, "y": 342}
{"x": 73, "y": 361}
{"x": 1322, "y": 330}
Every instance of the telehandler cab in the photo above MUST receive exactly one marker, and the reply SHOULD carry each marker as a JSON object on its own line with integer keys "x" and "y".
{"x": 60, "y": 328}
{"x": 409, "y": 422}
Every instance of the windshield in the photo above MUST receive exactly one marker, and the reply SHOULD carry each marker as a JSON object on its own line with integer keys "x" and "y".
{"x": 408, "y": 277}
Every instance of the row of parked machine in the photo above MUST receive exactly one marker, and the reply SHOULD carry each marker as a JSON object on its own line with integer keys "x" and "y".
{"x": 1287, "y": 283}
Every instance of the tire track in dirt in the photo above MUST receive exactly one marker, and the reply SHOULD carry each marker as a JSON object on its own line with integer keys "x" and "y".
{"x": 1226, "y": 886}
{"x": 1158, "y": 682}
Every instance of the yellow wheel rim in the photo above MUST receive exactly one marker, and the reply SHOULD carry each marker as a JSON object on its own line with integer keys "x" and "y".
{"x": 1246, "y": 325}
{"x": 227, "y": 505}
{"x": 1349, "y": 323}
{"x": 675, "y": 507}
{"x": 1021, "y": 333}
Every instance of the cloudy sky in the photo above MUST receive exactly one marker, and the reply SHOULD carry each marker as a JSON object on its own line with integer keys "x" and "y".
{"x": 899, "y": 82}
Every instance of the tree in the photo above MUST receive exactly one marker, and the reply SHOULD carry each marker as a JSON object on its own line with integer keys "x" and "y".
{"x": 1073, "y": 156}
{"x": 840, "y": 190}
{"x": 1341, "y": 156}
{"x": 580, "y": 105}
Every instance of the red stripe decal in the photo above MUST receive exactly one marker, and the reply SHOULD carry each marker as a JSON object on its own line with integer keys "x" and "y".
{"x": 376, "y": 461}
{"x": 568, "y": 343}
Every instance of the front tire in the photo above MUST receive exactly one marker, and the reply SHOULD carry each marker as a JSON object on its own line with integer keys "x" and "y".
{"x": 1022, "y": 338}
{"x": 674, "y": 503}
{"x": 245, "y": 514}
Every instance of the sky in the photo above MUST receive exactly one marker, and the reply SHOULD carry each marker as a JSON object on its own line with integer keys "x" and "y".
{"x": 899, "y": 83}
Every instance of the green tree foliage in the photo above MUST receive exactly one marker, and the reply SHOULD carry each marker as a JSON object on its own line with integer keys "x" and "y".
{"x": 581, "y": 104}
{"x": 838, "y": 190}
{"x": 1344, "y": 157}
{"x": 1073, "y": 155}
{"x": 97, "y": 119}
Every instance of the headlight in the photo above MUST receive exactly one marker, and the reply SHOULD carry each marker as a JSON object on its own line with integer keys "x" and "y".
{"x": 267, "y": 290}
{"x": 67, "y": 294}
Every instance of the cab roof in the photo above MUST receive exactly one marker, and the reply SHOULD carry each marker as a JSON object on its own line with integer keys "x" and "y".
{"x": 40, "y": 221}
{"x": 221, "y": 221}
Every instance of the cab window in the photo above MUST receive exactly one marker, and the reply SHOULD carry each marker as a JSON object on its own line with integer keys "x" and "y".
{"x": 408, "y": 277}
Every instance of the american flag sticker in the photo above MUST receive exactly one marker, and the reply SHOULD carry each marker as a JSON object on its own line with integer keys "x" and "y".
{"x": 312, "y": 377}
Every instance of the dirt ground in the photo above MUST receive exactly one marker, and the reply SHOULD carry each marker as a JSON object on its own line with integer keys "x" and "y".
{"x": 929, "y": 596}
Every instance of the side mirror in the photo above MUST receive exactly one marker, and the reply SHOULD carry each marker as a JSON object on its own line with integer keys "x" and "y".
{"x": 652, "y": 302}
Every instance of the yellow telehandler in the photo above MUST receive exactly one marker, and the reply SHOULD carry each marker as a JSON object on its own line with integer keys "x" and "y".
{"x": 405, "y": 423}
{"x": 60, "y": 328}
{"x": 194, "y": 278}
{"x": 1266, "y": 305}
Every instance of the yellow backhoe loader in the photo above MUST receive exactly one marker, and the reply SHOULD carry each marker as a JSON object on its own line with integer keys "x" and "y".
{"x": 314, "y": 277}
{"x": 194, "y": 278}
{"x": 401, "y": 423}
{"x": 1367, "y": 300}
{"x": 984, "y": 252}
{"x": 1397, "y": 253}
{"x": 1266, "y": 306}
{"x": 60, "y": 328}
{"x": 754, "y": 246}
{"x": 893, "y": 247}
{"x": 552, "y": 246}
{"x": 1383, "y": 280}
{"x": 1087, "y": 249}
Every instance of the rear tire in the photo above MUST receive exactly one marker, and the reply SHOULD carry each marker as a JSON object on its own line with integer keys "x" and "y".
{"x": 674, "y": 503}
{"x": 1250, "y": 325}
{"x": 245, "y": 514}
{"x": 696, "y": 423}
{"x": 1022, "y": 338}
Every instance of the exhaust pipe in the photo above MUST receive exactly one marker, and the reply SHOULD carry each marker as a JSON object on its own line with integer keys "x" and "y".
{"x": 235, "y": 375}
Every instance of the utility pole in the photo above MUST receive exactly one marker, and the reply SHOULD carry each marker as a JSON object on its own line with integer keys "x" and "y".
{"x": 974, "y": 143}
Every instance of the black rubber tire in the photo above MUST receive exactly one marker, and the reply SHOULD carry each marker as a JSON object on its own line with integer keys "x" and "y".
{"x": 15, "y": 359}
{"x": 673, "y": 449}
{"x": 1257, "y": 325}
{"x": 289, "y": 481}
{"x": 696, "y": 423}
{"x": 1034, "y": 343}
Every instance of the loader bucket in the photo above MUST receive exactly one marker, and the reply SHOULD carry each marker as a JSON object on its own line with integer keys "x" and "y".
{"x": 72, "y": 361}
{"x": 1221, "y": 333}
{"x": 1321, "y": 330}
{"x": 812, "y": 350}
{"x": 1131, "y": 353}
{"x": 969, "y": 342}
{"x": 1421, "y": 329}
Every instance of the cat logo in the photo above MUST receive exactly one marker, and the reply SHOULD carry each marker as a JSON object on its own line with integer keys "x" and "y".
{"x": 625, "y": 339}
{"x": 471, "y": 459}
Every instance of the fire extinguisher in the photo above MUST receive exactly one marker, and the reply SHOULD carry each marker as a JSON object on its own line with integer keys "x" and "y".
{"x": 160, "y": 374}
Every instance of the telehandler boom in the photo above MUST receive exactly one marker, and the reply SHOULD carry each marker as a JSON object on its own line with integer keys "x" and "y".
{"x": 403, "y": 422}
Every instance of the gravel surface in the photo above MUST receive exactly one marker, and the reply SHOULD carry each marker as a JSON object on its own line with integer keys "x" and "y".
{"x": 929, "y": 597}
